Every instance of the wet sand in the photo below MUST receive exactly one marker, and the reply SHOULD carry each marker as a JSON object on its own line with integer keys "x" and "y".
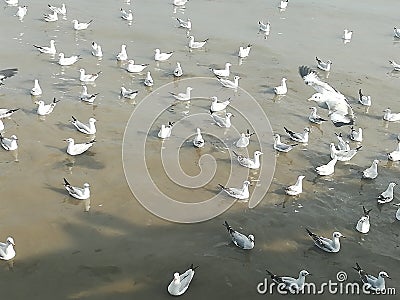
{"x": 118, "y": 250}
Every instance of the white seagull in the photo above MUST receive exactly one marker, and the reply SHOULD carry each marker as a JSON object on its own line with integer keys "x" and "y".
{"x": 283, "y": 4}
{"x": 48, "y": 50}
{"x": 244, "y": 52}
{"x": 363, "y": 224}
{"x": 282, "y": 89}
{"x": 396, "y": 32}
{"x": 398, "y": 212}
{"x": 196, "y": 45}
{"x": 222, "y": 121}
{"x": 264, "y": 27}
{"x": 185, "y": 24}
{"x": 249, "y": 162}
{"x": 347, "y": 34}
{"x": 77, "y": 192}
{"x": 356, "y": 135}
{"x": 180, "y": 2}
{"x": 122, "y": 55}
{"x": 135, "y": 68}
{"x": 222, "y": 72}
{"x": 395, "y": 65}
{"x": 148, "y": 81}
{"x": 7, "y": 251}
{"x": 89, "y": 128}
{"x": 165, "y": 131}
{"x": 36, "y": 90}
{"x": 60, "y": 10}
{"x": 21, "y": 12}
{"x": 297, "y": 188}
{"x": 81, "y": 25}
{"x": 372, "y": 171}
{"x": 10, "y": 143}
{"x": 239, "y": 239}
{"x": 376, "y": 284}
{"x": 128, "y": 93}
{"x": 324, "y": 66}
{"x": 126, "y": 14}
{"x": 178, "y": 72}
{"x": 364, "y": 99}
{"x": 198, "y": 140}
{"x": 183, "y": 96}
{"x": 294, "y": 285}
{"x": 180, "y": 283}
{"x": 88, "y": 77}
{"x": 86, "y": 97}
{"x": 76, "y": 149}
{"x": 244, "y": 139}
{"x": 395, "y": 155}
{"x": 391, "y": 117}
{"x": 46, "y": 109}
{"x": 67, "y": 61}
{"x": 11, "y": 2}
{"x": 218, "y": 106}
{"x": 387, "y": 195}
{"x": 342, "y": 145}
{"x": 6, "y": 73}
{"x": 230, "y": 84}
{"x": 327, "y": 169}
{"x": 6, "y": 113}
{"x": 343, "y": 155}
{"x": 240, "y": 194}
{"x": 96, "y": 50}
{"x": 326, "y": 244}
{"x": 279, "y": 146}
{"x": 314, "y": 117}
{"x": 298, "y": 137}
{"x": 51, "y": 17}
{"x": 162, "y": 56}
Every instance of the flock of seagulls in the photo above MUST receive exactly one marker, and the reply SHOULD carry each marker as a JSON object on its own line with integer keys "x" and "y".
{"x": 326, "y": 97}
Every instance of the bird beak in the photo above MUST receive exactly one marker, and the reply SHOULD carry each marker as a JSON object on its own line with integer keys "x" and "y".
{"x": 309, "y": 99}
{"x": 389, "y": 277}
{"x": 64, "y": 140}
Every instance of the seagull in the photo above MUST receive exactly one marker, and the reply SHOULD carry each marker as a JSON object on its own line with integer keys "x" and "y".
{"x": 67, "y": 61}
{"x": 218, "y": 106}
{"x": 364, "y": 99}
{"x": 46, "y": 109}
{"x": 355, "y": 135}
{"x": 185, "y": 24}
{"x": 396, "y": 32}
{"x": 343, "y": 155}
{"x": 395, "y": 155}
{"x": 180, "y": 283}
{"x": 327, "y": 169}
{"x": 89, "y": 128}
{"x": 248, "y": 162}
{"x": 21, "y": 12}
{"x": 122, "y": 55}
{"x": 178, "y": 72}
{"x": 88, "y": 77}
{"x": 161, "y": 56}
{"x": 298, "y": 137}
{"x": 282, "y": 89}
{"x": 283, "y": 4}
{"x": 244, "y": 52}
{"x": 48, "y": 50}
{"x": 76, "y": 149}
{"x": 222, "y": 121}
{"x": 391, "y": 117}
{"x": 10, "y": 143}
{"x": 265, "y": 28}
{"x": 326, "y": 244}
{"x": 222, "y": 72}
{"x": 60, "y": 10}
{"x": 297, "y": 188}
{"x": 324, "y": 66}
{"x": 395, "y": 65}
{"x": 180, "y": 2}
{"x": 342, "y": 145}
{"x": 7, "y": 251}
{"x": 7, "y": 73}
{"x": 314, "y": 118}
{"x": 165, "y": 131}
{"x": 126, "y": 15}
{"x": 244, "y": 139}
{"x": 241, "y": 194}
{"x": 347, "y": 34}
{"x": 36, "y": 90}
{"x": 86, "y": 97}
{"x": 51, "y": 17}
{"x": 387, "y": 195}
{"x": 281, "y": 147}
{"x": 96, "y": 50}
{"x": 11, "y": 2}
{"x": 6, "y": 113}
{"x": 363, "y": 223}
{"x": 77, "y": 192}
{"x": 1, "y": 126}
{"x": 198, "y": 141}
{"x": 398, "y": 212}
{"x": 196, "y": 45}
{"x": 376, "y": 284}
{"x": 239, "y": 239}
{"x": 81, "y": 26}
{"x": 183, "y": 96}
{"x": 128, "y": 93}
{"x": 148, "y": 81}
{"x": 230, "y": 84}
{"x": 294, "y": 285}
{"x": 133, "y": 68}
{"x": 372, "y": 171}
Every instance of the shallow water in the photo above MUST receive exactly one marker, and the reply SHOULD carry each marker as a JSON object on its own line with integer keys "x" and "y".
{"x": 118, "y": 249}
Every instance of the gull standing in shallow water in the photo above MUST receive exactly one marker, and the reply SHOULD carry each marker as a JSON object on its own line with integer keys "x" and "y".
{"x": 328, "y": 245}
{"x": 180, "y": 2}
{"x": 363, "y": 224}
{"x": 122, "y": 55}
{"x": 77, "y": 192}
{"x": 21, "y": 12}
{"x": 387, "y": 195}
{"x": 96, "y": 50}
{"x": 86, "y": 97}
{"x": 240, "y": 194}
{"x": 60, "y": 10}
{"x": 395, "y": 155}
{"x": 347, "y": 35}
{"x": 76, "y": 149}
{"x": 283, "y": 5}
{"x": 132, "y": 68}
{"x": 198, "y": 141}
{"x": 161, "y": 56}
{"x": 185, "y": 24}
{"x": 239, "y": 239}
{"x": 314, "y": 118}
{"x": 88, "y": 77}
{"x": 327, "y": 169}
{"x": 396, "y": 32}
{"x": 165, "y": 131}
{"x": 343, "y": 155}
{"x": 36, "y": 90}
{"x": 282, "y": 89}
{"x": 297, "y": 188}
{"x": 298, "y": 137}
{"x": 279, "y": 146}
{"x": 324, "y": 66}
{"x": 222, "y": 72}
{"x": 372, "y": 171}
{"x": 230, "y": 84}
{"x": 48, "y": 50}
{"x": 222, "y": 121}
{"x": 248, "y": 162}
{"x": 264, "y": 28}
{"x": 6, "y": 113}
{"x": 51, "y": 17}
{"x": 364, "y": 99}
{"x": 391, "y": 117}
{"x": 244, "y": 52}
{"x": 376, "y": 284}
{"x": 128, "y": 93}
{"x": 178, "y": 72}
{"x": 7, "y": 251}
{"x": 356, "y": 135}
{"x": 148, "y": 81}
{"x": 183, "y": 96}
{"x": 196, "y": 45}
{"x": 395, "y": 65}
{"x": 218, "y": 106}
{"x": 244, "y": 139}
{"x": 81, "y": 26}
{"x": 126, "y": 14}
{"x": 46, "y": 109}
{"x": 294, "y": 285}
{"x": 10, "y": 143}
{"x": 67, "y": 61}
{"x": 89, "y": 128}
{"x": 180, "y": 283}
